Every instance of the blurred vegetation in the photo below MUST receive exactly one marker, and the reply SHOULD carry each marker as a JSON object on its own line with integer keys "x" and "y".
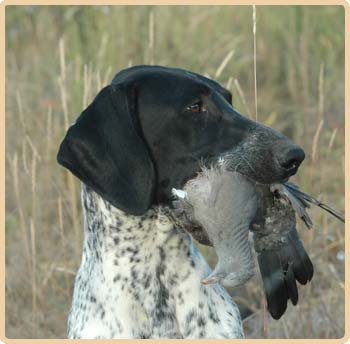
{"x": 59, "y": 57}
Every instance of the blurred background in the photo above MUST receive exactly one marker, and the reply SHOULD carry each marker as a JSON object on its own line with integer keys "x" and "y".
{"x": 59, "y": 57}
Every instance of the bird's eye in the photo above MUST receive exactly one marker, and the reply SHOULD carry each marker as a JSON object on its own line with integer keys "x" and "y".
{"x": 196, "y": 108}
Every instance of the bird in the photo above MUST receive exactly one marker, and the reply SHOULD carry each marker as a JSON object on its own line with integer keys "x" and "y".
{"x": 228, "y": 205}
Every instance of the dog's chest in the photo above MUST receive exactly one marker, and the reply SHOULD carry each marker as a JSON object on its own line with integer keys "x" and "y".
{"x": 116, "y": 301}
{"x": 140, "y": 278}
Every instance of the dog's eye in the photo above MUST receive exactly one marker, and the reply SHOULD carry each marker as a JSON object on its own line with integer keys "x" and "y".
{"x": 196, "y": 108}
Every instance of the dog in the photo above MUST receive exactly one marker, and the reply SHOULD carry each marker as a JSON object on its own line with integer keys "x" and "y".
{"x": 146, "y": 133}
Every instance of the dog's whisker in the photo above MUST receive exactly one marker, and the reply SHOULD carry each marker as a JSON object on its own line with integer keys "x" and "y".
{"x": 249, "y": 165}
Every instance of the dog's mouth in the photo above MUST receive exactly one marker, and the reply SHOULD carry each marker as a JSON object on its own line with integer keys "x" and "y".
{"x": 259, "y": 171}
{"x": 265, "y": 157}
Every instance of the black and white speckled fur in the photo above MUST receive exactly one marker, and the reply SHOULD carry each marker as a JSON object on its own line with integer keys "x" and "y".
{"x": 140, "y": 278}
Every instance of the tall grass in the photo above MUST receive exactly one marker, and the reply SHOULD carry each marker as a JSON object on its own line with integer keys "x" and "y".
{"x": 57, "y": 58}
{"x": 254, "y": 54}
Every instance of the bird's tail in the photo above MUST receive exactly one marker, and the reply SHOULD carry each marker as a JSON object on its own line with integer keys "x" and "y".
{"x": 283, "y": 262}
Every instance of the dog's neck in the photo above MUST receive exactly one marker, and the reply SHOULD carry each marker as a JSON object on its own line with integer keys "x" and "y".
{"x": 108, "y": 228}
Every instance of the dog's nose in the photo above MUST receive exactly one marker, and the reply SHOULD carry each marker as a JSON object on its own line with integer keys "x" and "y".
{"x": 291, "y": 158}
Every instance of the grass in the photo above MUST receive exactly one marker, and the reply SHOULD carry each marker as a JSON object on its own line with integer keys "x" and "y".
{"x": 59, "y": 57}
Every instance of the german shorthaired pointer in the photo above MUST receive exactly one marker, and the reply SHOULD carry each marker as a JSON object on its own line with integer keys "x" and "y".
{"x": 147, "y": 132}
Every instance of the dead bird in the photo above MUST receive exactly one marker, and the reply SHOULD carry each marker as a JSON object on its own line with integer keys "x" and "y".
{"x": 227, "y": 204}
{"x": 224, "y": 203}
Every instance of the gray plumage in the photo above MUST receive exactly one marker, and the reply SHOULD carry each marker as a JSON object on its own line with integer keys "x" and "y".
{"x": 224, "y": 203}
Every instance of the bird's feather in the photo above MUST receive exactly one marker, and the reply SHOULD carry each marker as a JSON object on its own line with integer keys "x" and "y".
{"x": 303, "y": 197}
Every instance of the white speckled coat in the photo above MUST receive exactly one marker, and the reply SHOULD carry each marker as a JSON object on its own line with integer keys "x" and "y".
{"x": 140, "y": 278}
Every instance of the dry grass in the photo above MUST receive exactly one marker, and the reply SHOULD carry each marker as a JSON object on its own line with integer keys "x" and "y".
{"x": 57, "y": 58}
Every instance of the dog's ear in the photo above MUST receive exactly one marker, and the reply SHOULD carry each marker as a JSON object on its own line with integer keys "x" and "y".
{"x": 106, "y": 150}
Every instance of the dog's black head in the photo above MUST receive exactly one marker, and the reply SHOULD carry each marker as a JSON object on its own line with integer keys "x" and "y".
{"x": 150, "y": 130}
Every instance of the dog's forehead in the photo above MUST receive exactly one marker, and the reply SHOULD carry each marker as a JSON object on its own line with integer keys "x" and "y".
{"x": 156, "y": 76}
{"x": 169, "y": 79}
